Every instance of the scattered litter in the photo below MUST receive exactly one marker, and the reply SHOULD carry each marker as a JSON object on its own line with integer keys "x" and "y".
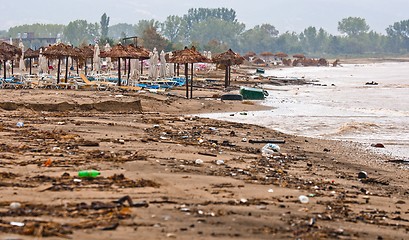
{"x": 18, "y": 224}
{"x": 270, "y": 149}
{"x": 88, "y": 174}
{"x": 15, "y": 205}
{"x": 303, "y": 199}
{"x": 219, "y": 162}
{"x": 20, "y": 124}
{"x": 199, "y": 161}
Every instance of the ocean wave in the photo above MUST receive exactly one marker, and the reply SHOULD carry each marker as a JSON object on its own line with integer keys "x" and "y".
{"x": 352, "y": 127}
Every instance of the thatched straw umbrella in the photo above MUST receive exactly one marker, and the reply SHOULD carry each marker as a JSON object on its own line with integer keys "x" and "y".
{"x": 8, "y": 52}
{"x": 299, "y": 56}
{"x": 228, "y": 59}
{"x": 30, "y": 54}
{"x": 88, "y": 52}
{"x": 258, "y": 61}
{"x": 187, "y": 56}
{"x": 60, "y": 51}
{"x": 280, "y": 55}
{"x": 141, "y": 52}
{"x": 79, "y": 56}
{"x": 118, "y": 51}
{"x": 266, "y": 55}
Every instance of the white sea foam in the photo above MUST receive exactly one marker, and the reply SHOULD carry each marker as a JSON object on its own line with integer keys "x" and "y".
{"x": 344, "y": 109}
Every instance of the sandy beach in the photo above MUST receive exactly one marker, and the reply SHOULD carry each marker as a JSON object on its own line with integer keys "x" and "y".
{"x": 166, "y": 174}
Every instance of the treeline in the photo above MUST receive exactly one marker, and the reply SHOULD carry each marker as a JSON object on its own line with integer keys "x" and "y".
{"x": 219, "y": 29}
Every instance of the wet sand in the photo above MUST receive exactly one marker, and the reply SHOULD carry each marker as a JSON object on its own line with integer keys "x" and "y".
{"x": 186, "y": 177}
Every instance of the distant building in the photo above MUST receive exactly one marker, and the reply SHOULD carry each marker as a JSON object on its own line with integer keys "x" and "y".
{"x": 30, "y": 41}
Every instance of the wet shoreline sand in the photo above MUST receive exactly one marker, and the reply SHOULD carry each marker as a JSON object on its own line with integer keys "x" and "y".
{"x": 187, "y": 177}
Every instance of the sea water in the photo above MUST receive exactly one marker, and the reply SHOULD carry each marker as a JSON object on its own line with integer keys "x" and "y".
{"x": 339, "y": 105}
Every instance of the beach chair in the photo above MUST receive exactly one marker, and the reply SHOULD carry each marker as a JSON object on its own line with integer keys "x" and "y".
{"x": 99, "y": 85}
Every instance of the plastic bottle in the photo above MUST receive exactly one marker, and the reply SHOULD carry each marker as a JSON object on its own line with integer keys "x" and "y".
{"x": 88, "y": 174}
{"x": 270, "y": 149}
{"x": 303, "y": 199}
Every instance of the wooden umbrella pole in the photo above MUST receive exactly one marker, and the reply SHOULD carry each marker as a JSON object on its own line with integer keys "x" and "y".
{"x": 58, "y": 72}
{"x": 66, "y": 69}
{"x": 119, "y": 71}
{"x": 186, "y": 80}
{"x": 129, "y": 68}
{"x": 178, "y": 70}
{"x": 191, "y": 82}
{"x": 77, "y": 66}
{"x": 12, "y": 67}
{"x": 229, "y": 74}
{"x": 125, "y": 66}
{"x": 226, "y": 76}
{"x": 141, "y": 67}
{"x": 4, "y": 69}
{"x": 30, "y": 65}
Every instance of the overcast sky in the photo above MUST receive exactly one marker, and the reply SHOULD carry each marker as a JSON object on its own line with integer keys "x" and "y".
{"x": 285, "y": 15}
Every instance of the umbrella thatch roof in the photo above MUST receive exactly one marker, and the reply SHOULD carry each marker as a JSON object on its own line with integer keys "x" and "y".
{"x": 229, "y": 58}
{"x": 137, "y": 52}
{"x": 117, "y": 51}
{"x": 59, "y": 50}
{"x": 250, "y": 54}
{"x": 298, "y": 56}
{"x": 87, "y": 51}
{"x": 188, "y": 56}
{"x": 266, "y": 54}
{"x": 258, "y": 61}
{"x": 8, "y": 51}
{"x": 280, "y": 55}
{"x": 30, "y": 53}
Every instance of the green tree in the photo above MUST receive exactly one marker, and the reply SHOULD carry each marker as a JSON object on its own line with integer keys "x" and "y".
{"x": 104, "y": 25}
{"x": 308, "y": 39}
{"x": 261, "y": 38}
{"x": 80, "y": 31}
{"x": 335, "y": 45}
{"x": 217, "y": 29}
{"x": 353, "y": 26}
{"x": 289, "y": 42}
{"x": 151, "y": 39}
{"x": 398, "y": 36}
{"x": 198, "y": 15}
{"x": 146, "y": 24}
{"x": 322, "y": 41}
{"x": 270, "y": 29}
{"x": 172, "y": 28}
{"x": 115, "y": 31}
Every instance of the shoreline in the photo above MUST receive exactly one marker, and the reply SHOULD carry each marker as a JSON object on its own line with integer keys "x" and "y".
{"x": 153, "y": 156}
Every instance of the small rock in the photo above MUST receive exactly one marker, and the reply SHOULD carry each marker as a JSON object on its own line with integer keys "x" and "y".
{"x": 362, "y": 174}
{"x": 219, "y": 162}
{"x": 378, "y": 145}
{"x": 199, "y": 161}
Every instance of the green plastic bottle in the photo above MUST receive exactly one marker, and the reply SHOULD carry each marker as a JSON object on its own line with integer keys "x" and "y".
{"x": 88, "y": 174}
